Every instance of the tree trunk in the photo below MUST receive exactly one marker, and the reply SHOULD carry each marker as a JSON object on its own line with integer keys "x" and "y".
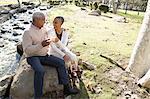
{"x": 19, "y": 5}
{"x": 103, "y": 1}
{"x": 138, "y": 12}
{"x": 110, "y": 3}
{"x": 114, "y": 6}
{"x": 40, "y": 2}
{"x": 126, "y": 7}
{"x": 139, "y": 62}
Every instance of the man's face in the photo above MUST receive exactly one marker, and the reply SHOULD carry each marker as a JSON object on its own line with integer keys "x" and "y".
{"x": 57, "y": 23}
{"x": 40, "y": 22}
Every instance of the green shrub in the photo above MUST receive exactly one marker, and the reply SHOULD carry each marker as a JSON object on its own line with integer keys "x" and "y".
{"x": 77, "y": 3}
{"x": 104, "y": 8}
{"x": 95, "y": 5}
{"x": 50, "y": 2}
{"x": 91, "y": 5}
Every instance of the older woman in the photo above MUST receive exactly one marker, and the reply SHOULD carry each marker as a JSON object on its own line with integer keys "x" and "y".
{"x": 62, "y": 35}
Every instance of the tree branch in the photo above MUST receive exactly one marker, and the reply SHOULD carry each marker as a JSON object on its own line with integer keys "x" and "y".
{"x": 112, "y": 61}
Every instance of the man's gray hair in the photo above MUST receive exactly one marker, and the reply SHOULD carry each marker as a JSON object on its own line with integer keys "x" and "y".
{"x": 38, "y": 15}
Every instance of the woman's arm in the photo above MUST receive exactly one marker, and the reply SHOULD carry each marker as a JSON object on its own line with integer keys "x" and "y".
{"x": 57, "y": 49}
{"x": 59, "y": 43}
{"x": 65, "y": 38}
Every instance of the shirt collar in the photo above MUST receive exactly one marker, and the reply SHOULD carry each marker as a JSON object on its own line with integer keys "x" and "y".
{"x": 34, "y": 27}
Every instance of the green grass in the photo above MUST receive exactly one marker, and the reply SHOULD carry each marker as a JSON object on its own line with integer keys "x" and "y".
{"x": 64, "y": 11}
{"x": 132, "y": 15}
{"x": 102, "y": 35}
{"x": 6, "y": 2}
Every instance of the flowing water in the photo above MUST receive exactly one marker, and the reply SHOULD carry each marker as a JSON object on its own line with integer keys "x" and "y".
{"x": 10, "y": 34}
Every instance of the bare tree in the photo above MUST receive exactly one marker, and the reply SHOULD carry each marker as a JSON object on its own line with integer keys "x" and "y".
{"x": 19, "y": 4}
{"x": 104, "y": 1}
{"x": 139, "y": 62}
{"x": 126, "y": 7}
{"x": 40, "y": 2}
{"x": 114, "y": 5}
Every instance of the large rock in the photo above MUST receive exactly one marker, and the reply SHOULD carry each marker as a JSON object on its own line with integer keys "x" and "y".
{"x": 13, "y": 6}
{"x": 23, "y": 87}
{"x": 4, "y": 12}
{"x": 95, "y": 13}
{"x": 4, "y": 83}
{"x": 22, "y": 10}
{"x": 120, "y": 19}
{"x": 4, "y": 17}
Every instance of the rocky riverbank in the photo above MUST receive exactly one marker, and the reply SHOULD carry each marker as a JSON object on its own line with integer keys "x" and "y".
{"x": 14, "y": 21}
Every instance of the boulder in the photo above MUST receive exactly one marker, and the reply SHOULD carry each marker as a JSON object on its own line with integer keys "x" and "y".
{"x": 83, "y": 9}
{"x": 26, "y": 22}
{"x": 2, "y": 45}
{"x": 22, "y": 10}
{"x": 95, "y": 13}
{"x": 43, "y": 7}
{"x": 28, "y": 3}
{"x": 4, "y": 18}
{"x": 23, "y": 88}
{"x": 49, "y": 6}
{"x": 12, "y": 12}
{"x": 13, "y": 6}
{"x": 120, "y": 19}
{"x": 4, "y": 12}
{"x": 31, "y": 6}
{"x": 4, "y": 83}
{"x": 5, "y": 30}
{"x": 17, "y": 27}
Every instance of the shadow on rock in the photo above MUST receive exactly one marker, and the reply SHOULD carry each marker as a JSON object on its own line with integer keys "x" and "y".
{"x": 83, "y": 92}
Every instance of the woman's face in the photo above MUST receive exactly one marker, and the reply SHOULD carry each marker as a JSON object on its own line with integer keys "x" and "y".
{"x": 57, "y": 23}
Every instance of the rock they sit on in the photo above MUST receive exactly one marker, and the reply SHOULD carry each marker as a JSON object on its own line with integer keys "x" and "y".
{"x": 23, "y": 88}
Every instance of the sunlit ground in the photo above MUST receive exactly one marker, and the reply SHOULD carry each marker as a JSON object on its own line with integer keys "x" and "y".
{"x": 95, "y": 35}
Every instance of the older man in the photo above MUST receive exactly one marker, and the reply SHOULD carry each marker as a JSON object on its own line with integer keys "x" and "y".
{"x": 36, "y": 47}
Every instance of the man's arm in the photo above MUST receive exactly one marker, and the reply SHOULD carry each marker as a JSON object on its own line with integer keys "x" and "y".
{"x": 28, "y": 47}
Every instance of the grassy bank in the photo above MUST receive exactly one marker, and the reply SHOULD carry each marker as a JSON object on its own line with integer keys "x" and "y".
{"x": 132, "y": 15}
{"x": 95, "y": 35}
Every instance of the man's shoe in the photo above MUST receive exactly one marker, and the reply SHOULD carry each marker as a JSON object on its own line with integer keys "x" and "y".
{"x": 71, "y": 91}
{"x": 68, "y": 90}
